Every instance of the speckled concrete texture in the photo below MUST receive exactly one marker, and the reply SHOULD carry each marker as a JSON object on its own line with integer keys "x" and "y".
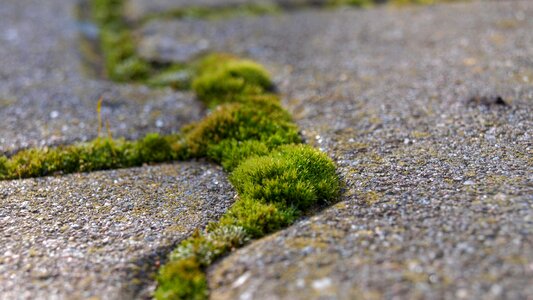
{"x": 101, "y": 234}
{"x": 45, "y": 98}
{"x": 438, "y": 170}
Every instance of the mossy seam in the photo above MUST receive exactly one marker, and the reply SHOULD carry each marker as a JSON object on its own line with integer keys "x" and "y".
{"x": 277, "y": 178}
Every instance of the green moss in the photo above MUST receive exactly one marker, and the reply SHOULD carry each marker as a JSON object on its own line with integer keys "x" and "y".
{"x": 221, "y": 81}
{"x": 99, "y": 154}
{"x": 208, "y": 246}
{"x": 116, "y": 43}
{"x": 295, "y": 175}
{"x": 156, "y": 148}
{"x": 181, "y": 279}
{"x": 258, "y": 218}
{"x": 175, "y": 76}
{"x": 183, "y": 276}
{"x": 260, "y": 119}
{"x": 230, "y": 152}
{"x": 198, "y": 12}
{"x": 356, "y": 3}
{"x": 107, "y": 11}
{"x": 4, "y": 168}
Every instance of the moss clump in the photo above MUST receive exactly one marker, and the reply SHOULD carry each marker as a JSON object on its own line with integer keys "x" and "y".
{"x": 253, "y": 137}
{"x": 222, "y": 80}
{"x": 260, "y": 119}
{"x": 175, "y": 76}
{"x": 183, "y": 276}
{"x": 259, "y": 218}
{"x": 182, "y": 279}
{"x": 297, "y": 176}
{"x": 99, "y": 154}
{"x": 221, "y": 12}
{"x": 230, "y": 152}
{"x": 207, "y": 247}
{"x": 274, "y": 191}
{"x": 4, "y": 168}
{"x": 116, "y": 43}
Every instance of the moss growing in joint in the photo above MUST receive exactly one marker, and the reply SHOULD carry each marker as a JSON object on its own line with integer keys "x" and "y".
{"x": 182, "y": 279}
{"x": 222, "y": 79}
{"x": 259, "y": 218}
{"x": 176, "y": 76}
{"x": 260, "y": 119}
{"x": 183, "y": 276}
{"x": 230, "y": 152}
{"x": 296, "y": 176}
{"x": 117, "y": 44}
{"x": 253, "y": 137}
{"x": 99, "y": 154}
{"x": 198, "y": 12}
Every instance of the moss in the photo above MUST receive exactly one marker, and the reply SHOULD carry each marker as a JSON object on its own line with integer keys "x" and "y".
{"x": 4, "y": 168}
{"x": 181, "y": 279}
{"x": 258, "y": 119}
{"x": 198, "y": 12}
{"x": 175, "y": 76}
{"x": 156, "y": 148}
{"x": 99, "y": 154}
{"x": 294, "y": 175}
{"x": 183, "y": 276}
{"x": 116, "y": 43}
{"x": 230, "y": 153}
{"x": 356, "y": 3}
{"x": 220, "y": 81}
{"x": 208, "y": 246}
{"x": 259, "y": 218}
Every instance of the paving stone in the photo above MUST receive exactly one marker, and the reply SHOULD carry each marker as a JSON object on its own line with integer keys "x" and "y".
{"x": 45, "y": 98}
{"x": 438, "y": 168}
{"x": 101, "y": 234}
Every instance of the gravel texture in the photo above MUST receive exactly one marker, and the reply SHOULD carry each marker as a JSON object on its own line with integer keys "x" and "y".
{"x": 438, "y": 169}
{"x": 101, "y": 234}
{"x": 46, "y": 99}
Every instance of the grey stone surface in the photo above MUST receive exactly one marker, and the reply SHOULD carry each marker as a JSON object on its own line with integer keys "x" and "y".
{"x": 101, "y": 234}
{"x": 439, "y": 185}
{"x": 45, "y": 97}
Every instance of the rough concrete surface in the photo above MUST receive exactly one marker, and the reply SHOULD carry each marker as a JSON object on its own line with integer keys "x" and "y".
{"x": 101, "y": 234}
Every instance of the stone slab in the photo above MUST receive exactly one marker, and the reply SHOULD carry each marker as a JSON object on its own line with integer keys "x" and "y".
{"x": 101, "y": 235}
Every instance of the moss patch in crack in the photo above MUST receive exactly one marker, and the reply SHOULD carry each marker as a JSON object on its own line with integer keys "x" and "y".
{"x": 277, "y": 178}
{"x": 296, "y": 176}
{"x": 221, "y": 79}
{"x": 210, "y": 13}
{"x": 116, "y": 42}
{"x": 249, "y": 124}
{"x": 99, "y": 154}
